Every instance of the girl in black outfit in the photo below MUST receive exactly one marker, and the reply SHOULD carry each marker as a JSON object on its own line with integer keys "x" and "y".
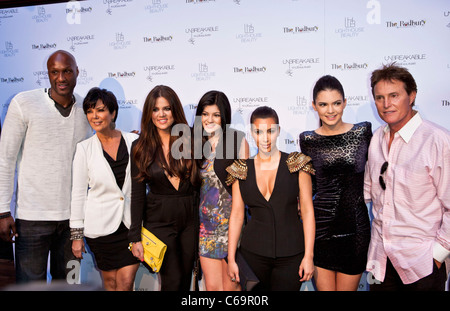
{"x": 169, "y": 208}
{"x": 338, "y": 151}
{"x": 276, "y": 243}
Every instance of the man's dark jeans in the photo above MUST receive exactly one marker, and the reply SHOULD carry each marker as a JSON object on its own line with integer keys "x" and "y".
{"x": 35, "y": 241}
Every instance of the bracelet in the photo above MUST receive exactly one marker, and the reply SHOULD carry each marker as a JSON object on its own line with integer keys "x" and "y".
{"x": 76, "y": 233}
{"x": 6, "y": 215}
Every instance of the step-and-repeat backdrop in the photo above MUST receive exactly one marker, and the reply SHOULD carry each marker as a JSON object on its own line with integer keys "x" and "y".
{"x": 258, "y": 52}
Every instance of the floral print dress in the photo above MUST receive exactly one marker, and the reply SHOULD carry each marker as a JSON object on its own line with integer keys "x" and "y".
{"x": 214, "y": 210}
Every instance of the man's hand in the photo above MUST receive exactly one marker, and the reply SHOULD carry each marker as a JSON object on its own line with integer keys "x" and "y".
{"x": 8, "y": 229}
{"x": 438, "y": 264}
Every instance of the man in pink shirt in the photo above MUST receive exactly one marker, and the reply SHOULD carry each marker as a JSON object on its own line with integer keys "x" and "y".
{"x": 408, "y": 181}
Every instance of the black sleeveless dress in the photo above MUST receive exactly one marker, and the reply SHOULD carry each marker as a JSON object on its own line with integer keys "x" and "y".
{"x": 342, "y": 218}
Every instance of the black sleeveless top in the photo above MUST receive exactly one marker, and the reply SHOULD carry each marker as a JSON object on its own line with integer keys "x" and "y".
{"x": 274, "y": 228}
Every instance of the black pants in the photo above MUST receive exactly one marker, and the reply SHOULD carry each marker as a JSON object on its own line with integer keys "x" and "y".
{"x": 35, "y": 241}
{"x": 275, "y": 274}
{"x": 392, "y": 282}
{"x": 175, "y": 222}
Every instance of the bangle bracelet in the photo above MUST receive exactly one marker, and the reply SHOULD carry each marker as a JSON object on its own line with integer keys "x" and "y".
{"x": 76, "y": 233}
{"x": 6, "y": 215}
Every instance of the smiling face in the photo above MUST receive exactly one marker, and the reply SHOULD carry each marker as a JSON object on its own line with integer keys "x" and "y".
{"x": 162, "y": 116}
{"x": 330, "y": 106}
{"x": 100, "y": 117}
{"x": 265, "y": 132}
{"x": 393, "y": 103}
{"x": 211, "y": 119}
{"x": 62, "y": 73}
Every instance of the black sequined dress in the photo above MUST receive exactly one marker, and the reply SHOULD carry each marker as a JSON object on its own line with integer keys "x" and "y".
{"x": 342, "y": 219}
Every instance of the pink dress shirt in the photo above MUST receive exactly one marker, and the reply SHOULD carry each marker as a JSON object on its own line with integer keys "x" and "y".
{"x": 411, "y": 218}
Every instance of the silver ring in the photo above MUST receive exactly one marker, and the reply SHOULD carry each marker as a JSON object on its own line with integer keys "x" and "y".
{"x": 233, "y": 280}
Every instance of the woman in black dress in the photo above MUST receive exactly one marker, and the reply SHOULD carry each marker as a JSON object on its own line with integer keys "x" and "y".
{"x": 169, "y": 209}
{"x": 275, "y": 242}
{"x": 339, "y": 153}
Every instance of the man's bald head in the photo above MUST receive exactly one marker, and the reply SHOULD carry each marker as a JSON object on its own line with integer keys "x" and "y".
{"x": 62, "y": 74}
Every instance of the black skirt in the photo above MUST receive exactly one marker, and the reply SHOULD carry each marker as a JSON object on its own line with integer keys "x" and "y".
{"x": 111, "y": 251}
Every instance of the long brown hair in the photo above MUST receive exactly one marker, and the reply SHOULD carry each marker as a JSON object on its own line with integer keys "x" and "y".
{"x": 148, "y": 148}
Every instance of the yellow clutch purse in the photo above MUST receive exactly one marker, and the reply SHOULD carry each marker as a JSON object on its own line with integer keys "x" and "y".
{"x": 154, "y": 250}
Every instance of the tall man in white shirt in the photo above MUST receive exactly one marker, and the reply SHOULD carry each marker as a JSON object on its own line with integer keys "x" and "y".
{"x": 39, "y": 136}
{"x": 408, "y": 181}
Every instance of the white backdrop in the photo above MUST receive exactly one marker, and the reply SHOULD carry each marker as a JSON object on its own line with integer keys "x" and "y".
{"x": 259, "y": 52}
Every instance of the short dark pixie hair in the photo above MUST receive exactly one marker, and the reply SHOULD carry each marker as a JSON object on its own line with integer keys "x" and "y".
{"x": 264, "y": 112}
{"x": 107, "y": 97}
{"x": 392, "y": 72}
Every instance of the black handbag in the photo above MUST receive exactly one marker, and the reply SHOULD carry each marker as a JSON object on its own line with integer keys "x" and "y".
{"x": 248, "y": 279}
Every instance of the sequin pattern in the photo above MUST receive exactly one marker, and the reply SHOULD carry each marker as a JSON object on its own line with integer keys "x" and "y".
{"x": 342, "y": 220}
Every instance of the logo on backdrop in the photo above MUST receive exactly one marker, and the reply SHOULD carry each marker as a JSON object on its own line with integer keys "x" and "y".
{"x": 41, "y": 16}
{"x": 250, "y": 102}
{"x": 249, "y": 69}
{"x": 405, "y": 59}
{"x": 445, "y": 103}
{"x": 84, "y": 78}
{"x": 302, "y": 106}
{"x": 447, "y": 14}
{"x": 402, "y": 24}
{"x": 77, "y": 41}
{"x": 115, "y": 4}
{"x": 41, "y": 75}
{"x": 350, "y": 66}
{"x": 122, "y": 74}
{"x": 7, "y": 14}
{"x": 203, "y": 73}
{"x": 120, "y": 42}
{"x": 127, "y": 103}
{"x": 249, "y": 35}
{"x": 200, "y": 33}
{"x": 43, "y": 46}
{"x": 157, "y": 39}
{"x": 154, "y": 70}
{"x": 156, "y": 7}
{"x": 295, "y": 64}
{"x": 9, "y": 50}
{"x": 357, "y": 100}
{"x": 350, "y": 29}
{"x": 12, "y": 80}
{"x": 300, "y": 29}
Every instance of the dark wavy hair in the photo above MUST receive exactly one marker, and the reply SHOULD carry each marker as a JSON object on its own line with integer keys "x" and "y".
{"x": 107, "y": 97}
{"x": 148, "y": 148}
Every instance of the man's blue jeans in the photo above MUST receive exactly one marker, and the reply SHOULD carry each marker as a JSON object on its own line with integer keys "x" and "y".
{"x": 35, "y": 241}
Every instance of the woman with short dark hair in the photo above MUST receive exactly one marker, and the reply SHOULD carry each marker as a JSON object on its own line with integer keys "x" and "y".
{"x": 100, "y": 209}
